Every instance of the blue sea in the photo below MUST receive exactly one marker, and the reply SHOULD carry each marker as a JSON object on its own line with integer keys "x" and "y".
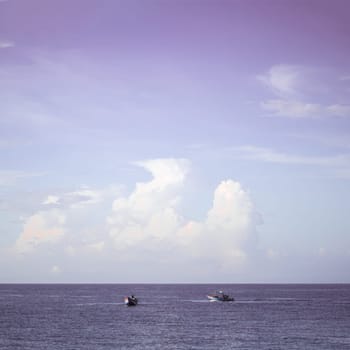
{"x": 92, "y": 316}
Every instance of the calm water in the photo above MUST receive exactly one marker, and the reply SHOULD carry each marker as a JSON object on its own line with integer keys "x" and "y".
{"x": 174, "y": 317}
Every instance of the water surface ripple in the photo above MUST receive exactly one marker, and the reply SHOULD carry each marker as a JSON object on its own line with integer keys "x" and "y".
{"x": 174, "y": 317}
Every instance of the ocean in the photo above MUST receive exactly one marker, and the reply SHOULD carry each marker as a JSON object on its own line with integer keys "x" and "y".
{"x": 174, "y": 316}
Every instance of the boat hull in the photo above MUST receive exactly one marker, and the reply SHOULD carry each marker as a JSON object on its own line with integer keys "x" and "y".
{"x": 219, "y": 298}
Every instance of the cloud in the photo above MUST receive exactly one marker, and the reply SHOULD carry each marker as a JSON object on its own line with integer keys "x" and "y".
{"x": 145, "y": 228}
{"x": 272, "y": 156}
{"x": 5, "y": 44}
{"x": 51, "y": 200}
{"x": 42, "y": 227}
{"x": 9, "y": 177}
{"x": 149, "y": 212}
{"x": 68, "y": 219}
{"x": 338, "y": 110}
{"x": 80, "y": 198}
{"x": 282, "y": 79}
{"x": 292, "y": 109}
{"x": 301, "y": 92}
{"x": 297, "y": 109}
{"x": 56, "y": 270}
{"x": 148, "y": 220}
{"x": 229, "y": 230}
{"x": 96, "y": 247}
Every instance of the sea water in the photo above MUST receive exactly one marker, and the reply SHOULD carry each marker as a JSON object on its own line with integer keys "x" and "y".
{"x": 174, "y": 317}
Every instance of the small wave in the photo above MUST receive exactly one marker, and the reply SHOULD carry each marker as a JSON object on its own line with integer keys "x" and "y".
{"x": 93, "y": 304}
{"x": 256, "y": 301}
{"x": 340, "y": 340}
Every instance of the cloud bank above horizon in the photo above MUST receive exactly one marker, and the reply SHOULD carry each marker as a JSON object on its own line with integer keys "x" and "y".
{"x": 144, "y": 227}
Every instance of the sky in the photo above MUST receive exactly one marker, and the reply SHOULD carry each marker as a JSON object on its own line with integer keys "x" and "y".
{"x": 174, "y": 141}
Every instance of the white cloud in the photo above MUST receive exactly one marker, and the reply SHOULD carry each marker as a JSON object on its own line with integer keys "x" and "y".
{"x": 272, "y": 254}
{"x": 95, "y": 247}
{"x": 322, "y": 251}
{"x": 42, "y": 227}
{"x": 228, "y": 230}
{"x": 70, "y": 221}
{"x": 56, "y": 270}
{"x": 9, "y": 177}
{"x": 338, "y": 110}
{"x": 70, "y": 250}
{"x": 149, "y": 212}
{"x": 301, "y": 92}
{"x": 297, "y": 109}
{"x": 292, "y": 109}
{"x": 51, "y": 200}
{"x": 82, "y": 197}
{"x": 5, "y": 44}
{"x": 282, "y": 79}
{"x": 271, "y": 156}
{"x": 146, "y": 228}
{"x": 148, "y": 220}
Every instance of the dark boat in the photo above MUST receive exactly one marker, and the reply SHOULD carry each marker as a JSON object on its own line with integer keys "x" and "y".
{"x": 130, "y": 301}
{"x": 220, "y": 296}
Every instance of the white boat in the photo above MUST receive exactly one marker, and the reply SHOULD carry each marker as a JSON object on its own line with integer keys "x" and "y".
{"x": 220, "y": 296}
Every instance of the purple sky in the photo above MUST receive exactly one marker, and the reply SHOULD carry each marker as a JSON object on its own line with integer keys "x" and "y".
{"x": 154, "y": 127}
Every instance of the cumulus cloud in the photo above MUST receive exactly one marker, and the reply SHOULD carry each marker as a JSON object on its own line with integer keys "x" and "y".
{"x": 228, "y": 230}
{"x": 149, "y": 212}
{"x": 42, "y": 227}
{"x": 148, "y": 220}
{"x": 146, "y": 227}
{"x": 301, "y": 92}
{"x": 69, "y": 221}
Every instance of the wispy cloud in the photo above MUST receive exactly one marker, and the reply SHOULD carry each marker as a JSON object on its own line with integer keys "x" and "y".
{"x": 300, "y": 93}
{"x": 340, "y": 162}
{"x": 5, "y": 44}
{"x": 9, "y": 177}
{"x": 298, "y": 109}
{"x": 282, "y": 79}
{"x": 82, "y": 197}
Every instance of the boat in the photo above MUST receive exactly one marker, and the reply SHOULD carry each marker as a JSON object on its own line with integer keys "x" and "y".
{"x": 130, "y": 301}
{"x": 220, "y": 296}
